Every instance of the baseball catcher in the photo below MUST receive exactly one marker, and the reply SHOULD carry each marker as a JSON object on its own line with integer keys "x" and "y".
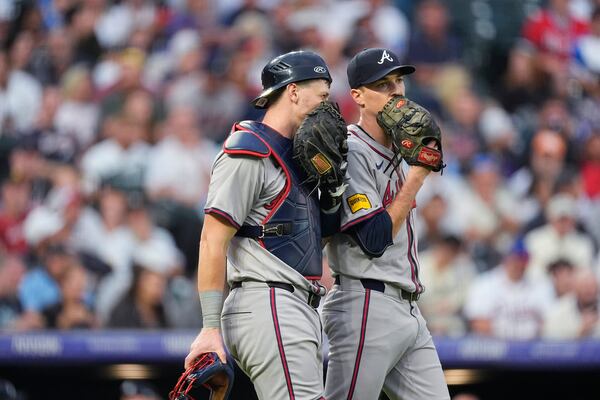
{"x": 320, "y": 149}
{"x": 415, "y": 135}
{"x": 208, "y": 371}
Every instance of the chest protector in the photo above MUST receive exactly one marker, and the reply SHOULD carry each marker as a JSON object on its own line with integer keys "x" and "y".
{"x": 291, "y": 230}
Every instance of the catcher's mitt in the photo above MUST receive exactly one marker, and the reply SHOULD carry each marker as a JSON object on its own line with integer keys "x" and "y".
{"x": 320, "y": 148}
{"x": 207, "y": 371}
{"x": 412, "y": 129}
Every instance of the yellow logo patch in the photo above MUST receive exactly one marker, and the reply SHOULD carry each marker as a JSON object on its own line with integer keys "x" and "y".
{"x": 358, "y": 201}
{"x": 320, "y": 163}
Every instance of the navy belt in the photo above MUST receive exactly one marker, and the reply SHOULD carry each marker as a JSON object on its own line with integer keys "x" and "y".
{"x": 313, "y": 299}
{"x": 379, "y": 286}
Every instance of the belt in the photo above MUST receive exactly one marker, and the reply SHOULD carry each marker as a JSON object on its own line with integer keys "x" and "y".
{"x": 379, "y": 286}
{"x": 313, "y": 299}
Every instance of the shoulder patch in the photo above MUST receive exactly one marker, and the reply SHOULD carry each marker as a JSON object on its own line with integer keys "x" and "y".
{"x": 358, "y": 201}
{"x": 246, "y": 143}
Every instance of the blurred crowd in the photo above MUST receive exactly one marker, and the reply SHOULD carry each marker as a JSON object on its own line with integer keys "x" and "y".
{"x": 112, "y": 111}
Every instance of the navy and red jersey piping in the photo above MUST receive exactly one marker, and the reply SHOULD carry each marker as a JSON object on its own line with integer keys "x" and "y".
{"x": 224, "y": 214}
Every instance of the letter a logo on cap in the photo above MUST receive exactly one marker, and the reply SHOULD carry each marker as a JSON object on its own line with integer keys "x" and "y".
{"x": 385, "y": 56}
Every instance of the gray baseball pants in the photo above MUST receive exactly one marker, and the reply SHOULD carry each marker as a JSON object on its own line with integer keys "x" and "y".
{"x": 379, "y": 341}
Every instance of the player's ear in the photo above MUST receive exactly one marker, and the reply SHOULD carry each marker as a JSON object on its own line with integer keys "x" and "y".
{"x": 291, "y": 91}
{"x": 357, "y": 95}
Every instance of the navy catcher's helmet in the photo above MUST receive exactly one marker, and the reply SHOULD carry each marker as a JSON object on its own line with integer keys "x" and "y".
{"x": 287, "y": 68}
{"x": 207, "y": 371}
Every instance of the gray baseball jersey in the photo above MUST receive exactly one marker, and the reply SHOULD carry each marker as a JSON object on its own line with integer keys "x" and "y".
{"x": 378, "y": 340}
{"x": 274, "y": 335}
{"x": 372, "y": 185}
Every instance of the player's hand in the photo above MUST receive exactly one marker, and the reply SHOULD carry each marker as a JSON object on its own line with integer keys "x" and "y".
{"x": 208, "y": 340}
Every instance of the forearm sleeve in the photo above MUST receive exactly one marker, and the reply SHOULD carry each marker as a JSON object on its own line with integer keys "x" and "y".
{"x": 373, "y": 235}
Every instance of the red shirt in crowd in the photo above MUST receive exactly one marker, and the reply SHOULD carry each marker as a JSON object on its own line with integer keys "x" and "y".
{"x": 553, "y": 34}
{"x": 12, "y": 239}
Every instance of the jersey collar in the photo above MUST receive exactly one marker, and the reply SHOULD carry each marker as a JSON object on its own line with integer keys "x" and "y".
{"x": 377, "y": 147}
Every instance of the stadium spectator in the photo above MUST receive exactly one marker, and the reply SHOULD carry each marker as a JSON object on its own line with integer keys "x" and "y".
{"x": 559, "y": 238}
{"x": 49, "y": 141}
{"x": 504, "y": 302}
{"x": 590, "y": 169}
{"x": 14, "y": 206}
{"x": 78, "y": 115}
{"x": 447, "y": 273}
{"x": 501, "y": 138}
{"x": 487, "y": 215}
{"x": 462, "y": 137}
{"x": 432, "y": 212}
{"x": 73, "y": 311}
{"x": 147, "y": 238}
{"x": 179, "y": 166}
{"x": 220, "y": 101}
{"x": 561, "y": 273}
{"x": 432, "y": 44}
{"x": 40, "y": 286}
{"x": 112, "y": 243}
{"x": 553, "y": 32}
{"x": 576, "y": 315}
{"x": 12, "y": 317}
{"x": 21, "y": 97}
{"x": 53, "y": 58}
{"x": 521, "y": 88}
{"x": 534, "y": 183}
{"x": 142, "y": 306}
{"x": 122, "y": 154}
{"x": 177, "y": 179}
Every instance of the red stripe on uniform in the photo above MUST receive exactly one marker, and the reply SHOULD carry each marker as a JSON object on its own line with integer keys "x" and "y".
{"x": 286, "y": 370}
{"x": 414, "y": 268}
{"x": 411, "y": 260}
{"x": 361, "y": 343}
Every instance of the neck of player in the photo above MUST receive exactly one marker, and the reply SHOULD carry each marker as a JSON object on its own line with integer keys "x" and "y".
{"x": 280, "y": 121}
{"x": 370, "y": 125}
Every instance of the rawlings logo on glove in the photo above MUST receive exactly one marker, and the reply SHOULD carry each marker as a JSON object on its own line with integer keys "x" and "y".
{"x": 412, "y": 129}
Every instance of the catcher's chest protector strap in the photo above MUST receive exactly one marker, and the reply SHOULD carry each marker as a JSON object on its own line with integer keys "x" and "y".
{"x": 292, "y": 230}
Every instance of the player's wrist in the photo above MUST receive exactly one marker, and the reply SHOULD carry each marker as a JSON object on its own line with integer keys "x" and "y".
{"x": 211, "y": 302}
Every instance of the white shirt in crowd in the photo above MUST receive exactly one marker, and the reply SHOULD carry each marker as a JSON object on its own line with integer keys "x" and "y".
{"x": 516, "y": 309}
{"x": 545, "y": 246}
{"x": 108, "y": 158}
{"x": 20, "y": 102}
{"x": 182, "y": 169}
{"x": 564, "y": 320}
{"x": 79, "y": 120}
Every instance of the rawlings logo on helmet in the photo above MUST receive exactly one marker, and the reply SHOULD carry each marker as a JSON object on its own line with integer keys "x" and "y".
{"x": 320, "y": 70}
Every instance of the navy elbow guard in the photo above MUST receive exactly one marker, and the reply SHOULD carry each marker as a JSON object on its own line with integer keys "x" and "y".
{"x": 374, "y": 235}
